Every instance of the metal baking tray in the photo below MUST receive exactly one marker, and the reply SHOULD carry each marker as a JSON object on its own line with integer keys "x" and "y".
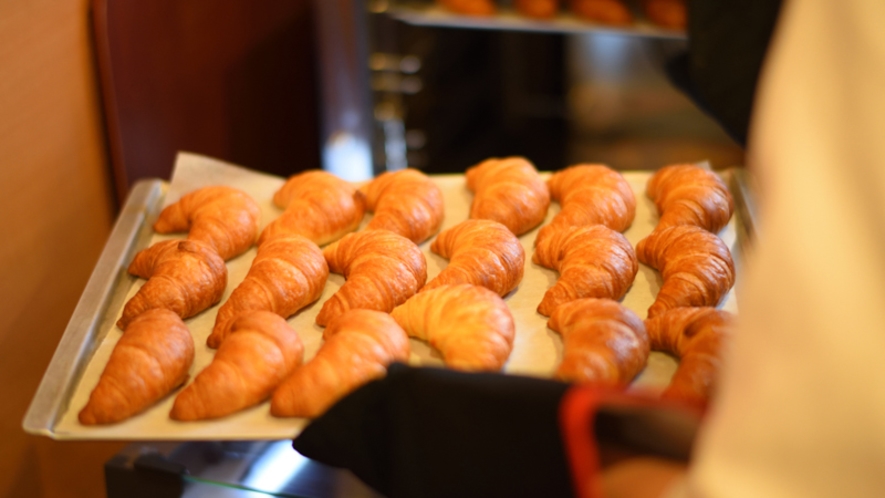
{"x": 91, "y": 333}
{"x": 428, "y": 13}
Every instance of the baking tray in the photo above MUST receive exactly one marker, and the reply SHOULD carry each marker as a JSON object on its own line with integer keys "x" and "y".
{"x": 91, "y": 333}
{"x": 430, "y": 14}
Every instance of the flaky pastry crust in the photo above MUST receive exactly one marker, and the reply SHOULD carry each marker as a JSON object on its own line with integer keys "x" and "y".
{"x": 480, "y": 252}
{"x": 603, "y": 342}
{"x": 185, "y": 276}
{"x": 260, "y": 353}
{"x": 470, "y": 325}
{"x": 149, "y": 361}
{"x": 358, "y": 346}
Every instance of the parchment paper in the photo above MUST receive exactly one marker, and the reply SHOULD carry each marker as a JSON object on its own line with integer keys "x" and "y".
{"x": 536, "y": 351}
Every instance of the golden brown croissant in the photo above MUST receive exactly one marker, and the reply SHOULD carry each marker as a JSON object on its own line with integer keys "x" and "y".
{"x": 613, "y": 12}
{"x": 602, "y": 342}
{"x": 152, "y": 357}
{"x": 225, "y": 218}
{"x": 592, "y": 261}
{"x": 590, "y": 194}
{"x": 406, "y": 202}
{"x": 288, "y": 273}
{"x": 260, "y": 353}
{"x": 471, "y": 326}
{"x": 470, "y": 7}
{"x": 509, "y": 191}
{"x": 318, "y": 205}
{"x": 358, "y": 347}
{"x": 382, "y": 269}
{"x": 686, "y": 194}
{"x": 672, "y": 14}
{"x": 184, "y": 276}
{"x": 481, "y": 252}
{"x": 541, "y": 9}
{"x": 697, "y": 337}
{"x": 695, "y": 264}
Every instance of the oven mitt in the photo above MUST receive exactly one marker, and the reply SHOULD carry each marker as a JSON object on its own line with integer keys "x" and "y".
{"x": 727, "y": 43}
{"x": 427, "y": 432}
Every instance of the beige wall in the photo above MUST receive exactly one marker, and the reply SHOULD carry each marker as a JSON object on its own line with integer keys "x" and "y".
{"x": 55, "y": 214}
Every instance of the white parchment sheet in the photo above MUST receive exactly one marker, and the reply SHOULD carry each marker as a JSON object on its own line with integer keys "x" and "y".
{"x": 536, "y": 352}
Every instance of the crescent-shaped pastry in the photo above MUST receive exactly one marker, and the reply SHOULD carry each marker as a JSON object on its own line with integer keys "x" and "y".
{"x": 539, "y": 9}
{"x": 480, "y": 252}
{"x": 509, "y": 191}
{"x": 470, "y": 7}
{"x": 590, "y": 194}
{"x": 696, "y": 336}
{"x": 318, "y": 205}
{"x": 225, "y": 218}
{"x": 592, "y": 261}
{"x": 685, "y": 194}
{"x": 184, "y": 276}
{"x": 260, "y": 353}
{"x": 151, "y": 358}
{"x": 471, "y": 326}
{"x": 671, "y": 14}
{"x": 382, "y": 269}
{"x": 406, "y": 202}
{"x": 288, "y": 273}
{"x": 695, "y": 264}
{"x": 612, "y": 12}
{"x": 358, "y": 347}
{"x": 603, "y": 342}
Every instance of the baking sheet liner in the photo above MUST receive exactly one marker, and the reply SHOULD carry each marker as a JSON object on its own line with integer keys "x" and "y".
{"x": 536, "y": 351}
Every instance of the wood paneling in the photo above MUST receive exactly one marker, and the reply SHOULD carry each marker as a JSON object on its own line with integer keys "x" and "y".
{"x": 55, "y": 214}
{"x": 232, "y": 79}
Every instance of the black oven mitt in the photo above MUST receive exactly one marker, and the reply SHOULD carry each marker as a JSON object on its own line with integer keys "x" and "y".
{"x": 425, "y": 432}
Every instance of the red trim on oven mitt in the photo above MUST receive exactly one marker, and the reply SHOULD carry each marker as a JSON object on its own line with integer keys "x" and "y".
{"x": 591, "y": 417}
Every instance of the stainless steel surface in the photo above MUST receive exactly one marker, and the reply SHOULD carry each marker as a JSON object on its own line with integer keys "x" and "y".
{"x": 80, "y": 336}
{"x": 238, "y": 469}
{"x": 347, "y": 128}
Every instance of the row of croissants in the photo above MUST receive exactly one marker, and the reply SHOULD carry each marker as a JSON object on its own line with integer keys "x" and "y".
{"x": 669, "y": 14}
{"x": 386, "y": 297}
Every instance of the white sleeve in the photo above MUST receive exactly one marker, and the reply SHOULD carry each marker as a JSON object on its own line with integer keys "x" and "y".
{"x": 801, "y": 410}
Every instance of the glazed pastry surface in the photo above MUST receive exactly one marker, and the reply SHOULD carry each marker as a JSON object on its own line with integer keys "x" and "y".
{"x": 603, "y": 342}
{"x": 148, "y": 362}
{"x": 480, "y": 252}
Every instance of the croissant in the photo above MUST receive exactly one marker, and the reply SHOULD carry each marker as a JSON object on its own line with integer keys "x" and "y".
{"x": 406, "y": 202}
{"x": 471, "y": 326}
{"x": 318, "y": 205}
{"x": 685, "y": 194}
{"x": 541, "y": 9}
{"x": 382, "y": 269}
{"x": 602, "y": 341}
{"x": 152, "y": 357}
{"x": 358, "y": 347}
{"x": 288, "y": 273}
{"x": 184, "y": 276}
{"x": 509, "y": 191}
{"x": 696, "y": 336}
{"x": 225, "y": 218}
{"x": 592, "y": 261}
{"x": 613, "y": 12}
{"x": 481, "y": 252}
{"x": 470, "y": 7}
{"x": 695, "y": 264}
{"x": 672, "y": 14}
{"x": 260, "y": 353}
{"x": 590, "y": 194}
